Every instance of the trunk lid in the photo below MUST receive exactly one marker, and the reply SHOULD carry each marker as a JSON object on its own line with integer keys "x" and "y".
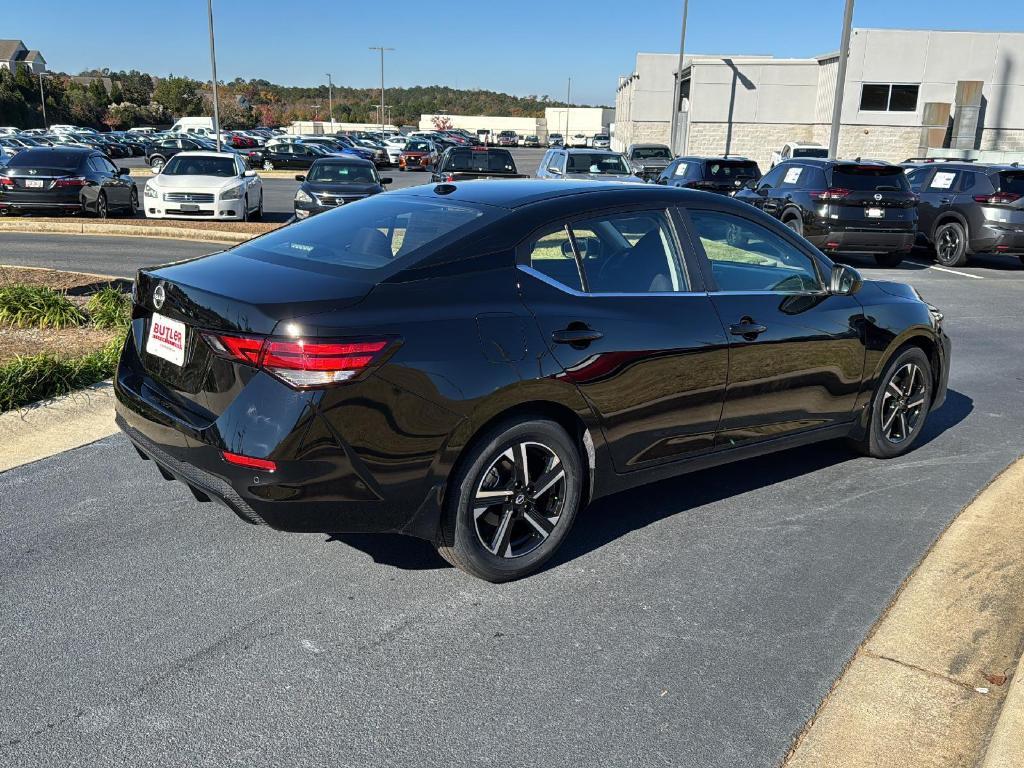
{"x": 871, "y": 197}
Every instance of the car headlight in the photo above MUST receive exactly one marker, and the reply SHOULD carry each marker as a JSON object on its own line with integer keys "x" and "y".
{"x": 232, "y": 193}
{"x": 302, "y": 197}
{"x": 150, "y": 191}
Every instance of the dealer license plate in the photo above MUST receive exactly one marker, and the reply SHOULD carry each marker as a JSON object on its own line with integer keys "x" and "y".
{"x": 875, "y": 213}
{"x": 190, "y": 207}
{"x": 34, "y": 183}
{"x": 166, "y": 339}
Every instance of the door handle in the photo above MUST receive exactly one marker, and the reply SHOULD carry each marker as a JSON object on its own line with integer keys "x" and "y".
{"x": 945, "y": 201}
{"x": 576, "y": 336}
{"x": 747, "y": 328}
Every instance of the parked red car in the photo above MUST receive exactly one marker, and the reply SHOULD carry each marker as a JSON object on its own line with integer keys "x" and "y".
{"x": 418, "y": 155}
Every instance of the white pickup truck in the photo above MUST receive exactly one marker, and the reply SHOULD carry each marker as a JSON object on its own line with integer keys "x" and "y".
{"x": 793, "y": 149}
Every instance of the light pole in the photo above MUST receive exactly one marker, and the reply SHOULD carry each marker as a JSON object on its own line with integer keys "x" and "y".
{"x": 837, "y": 107}
{"x": 677, "y": 87}
{"x": 568, "y": 96}
{"x": 330, "y": 100}
{"x": 381, "y": 49}
{"x": 42, "y": 100}
{"x": 213, "y": 66}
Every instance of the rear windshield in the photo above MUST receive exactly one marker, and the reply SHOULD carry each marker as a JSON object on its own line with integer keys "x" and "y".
{"x": 726, "y": 171}
{"x": 870, "y": 178}
{"x": 57, "y": 159}
{"x": 810, "y": 152}
{"x": 498, "y": 160}
{"x": 374, "y": 238}
{"x": 341, "y": 173}
{"x": 1012, "y": 181}
{"x": 649, "y": 153}
{"x": 584, "y": 162}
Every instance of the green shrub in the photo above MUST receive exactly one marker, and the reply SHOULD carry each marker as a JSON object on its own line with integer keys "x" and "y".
{"x": 109, "y": 308}
{"x": 27, "y": 379}
{"x": 35, "y": 306}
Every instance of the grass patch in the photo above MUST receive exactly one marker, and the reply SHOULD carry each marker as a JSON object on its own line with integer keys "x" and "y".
{"x": 109, "y": 308}
{"x": 36, "y": 306}
{"x": 28, "y": 379}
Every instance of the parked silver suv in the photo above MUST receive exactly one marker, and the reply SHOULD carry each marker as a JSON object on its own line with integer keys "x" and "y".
{"x": 573, "y": 163}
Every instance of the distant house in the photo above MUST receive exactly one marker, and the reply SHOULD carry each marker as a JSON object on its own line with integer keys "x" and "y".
{"x": 14, "y": 53}
{"x": 86, "y": 80}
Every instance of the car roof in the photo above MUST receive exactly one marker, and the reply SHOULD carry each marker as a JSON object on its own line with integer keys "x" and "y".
{"x": 342, "y": 160}
{"x": 717, "y": 158}
{"x": 967, "y": 166}
{"x": 588, "y": 151}
{"x": 828, "y": 161}
{"x": 207, "y": 153}
{"x": 516, "y": 193}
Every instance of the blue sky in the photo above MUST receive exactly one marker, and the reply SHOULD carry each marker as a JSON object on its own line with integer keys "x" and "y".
{"x": 518, "y": 47}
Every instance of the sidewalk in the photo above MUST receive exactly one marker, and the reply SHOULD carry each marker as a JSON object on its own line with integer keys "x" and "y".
{"x": 935, "y": 683}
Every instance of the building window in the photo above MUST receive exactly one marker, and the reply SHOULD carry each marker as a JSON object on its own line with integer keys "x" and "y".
{"x": 888, "y": 97}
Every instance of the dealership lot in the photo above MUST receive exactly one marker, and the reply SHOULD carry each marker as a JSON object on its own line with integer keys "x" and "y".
{"x": 698, "y": 621}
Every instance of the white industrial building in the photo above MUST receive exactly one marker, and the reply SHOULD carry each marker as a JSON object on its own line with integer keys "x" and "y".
{"x": 585, "y": 120}
{"x": 907, "y": 93}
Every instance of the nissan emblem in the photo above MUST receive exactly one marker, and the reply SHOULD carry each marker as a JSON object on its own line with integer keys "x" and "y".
{"x": 158, "y": 296}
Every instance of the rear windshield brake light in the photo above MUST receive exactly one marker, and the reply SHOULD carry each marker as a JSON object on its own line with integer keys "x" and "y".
{"x": 301, "y": 363}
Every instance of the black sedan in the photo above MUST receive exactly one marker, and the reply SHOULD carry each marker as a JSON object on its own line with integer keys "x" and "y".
{"x": 470, "y": 363}
{"x": 298, "y": 156}
{"x": 334, "y": 181}
{"x": 66, "y": 180}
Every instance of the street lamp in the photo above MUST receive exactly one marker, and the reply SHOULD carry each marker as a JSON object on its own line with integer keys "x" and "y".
{"x": 42, "y": 99}
{"x": 381, "y": 49}
{"x": 213, "y": 66}
{"x": 677, "y": 86}
{"x": 837, "y": 106}
{"x": 330, "y": 100}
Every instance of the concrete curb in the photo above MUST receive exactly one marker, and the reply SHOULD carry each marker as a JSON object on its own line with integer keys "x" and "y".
{"x": 1006, "y": 748}
{"x": 126, "y": 230}
{"x": 53, "y": 426}
{"x": 928, "y": 685}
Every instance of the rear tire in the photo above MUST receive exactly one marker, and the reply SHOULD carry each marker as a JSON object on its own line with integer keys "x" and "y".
{"x": 133, "y": 204}
{"x": 951, "y": 244}
{"x": 794, "y": 223}
{"x": 268, "y": 165}
{"x": 521, "y": 522}
{"x": 102, "y": 211}
{"x": 258, "y": 215}
{"x": 888, "y": 259}
{"x": 899, "y": 405}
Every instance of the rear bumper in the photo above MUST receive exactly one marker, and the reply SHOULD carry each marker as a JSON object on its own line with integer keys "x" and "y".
{"x": 39, "y": 206}
{"x": 998, "y": 238}
{"x": 865, "y": 241}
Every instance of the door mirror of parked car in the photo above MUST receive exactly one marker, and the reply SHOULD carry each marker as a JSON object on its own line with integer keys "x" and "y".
{"x": 762, "y": 191}
{"x": 750, "y": 184}
{"x": 845, "y": 280}
{"x": 124, "y": 171}
{"x": 386, "y": 180}
{"x": 248, "y": 174}
{"x": 300, "y": 177}
{"x": 552, "y": 169}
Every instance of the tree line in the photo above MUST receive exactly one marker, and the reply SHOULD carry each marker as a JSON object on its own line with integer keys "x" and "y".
{"x": 135, "y": 98}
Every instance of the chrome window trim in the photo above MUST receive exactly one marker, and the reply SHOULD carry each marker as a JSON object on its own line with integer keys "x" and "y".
{"x": 573, "y": 292}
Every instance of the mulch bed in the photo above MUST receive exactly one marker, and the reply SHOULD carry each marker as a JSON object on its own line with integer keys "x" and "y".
{"x": 65, "y": 343}
{"x": 247, "y": 227}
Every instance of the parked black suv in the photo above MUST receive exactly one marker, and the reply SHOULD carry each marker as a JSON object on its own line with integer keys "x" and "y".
{"x": 841, "y": 206}
{"x": 725, "y": 175}
{"x": 967, "y": 208}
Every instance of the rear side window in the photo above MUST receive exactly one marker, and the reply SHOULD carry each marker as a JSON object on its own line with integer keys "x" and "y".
{"x": 1012, "y": 181}
{"x": 58, "y": 160}
{"x": 551, "y": 254}
{"x": 870, "y": 178}
{"x": 375, "y": 238}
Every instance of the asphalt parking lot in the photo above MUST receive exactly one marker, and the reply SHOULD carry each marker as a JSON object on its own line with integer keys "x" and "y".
{"x": 279, "y": 193}
{"x": 695, "y": 622}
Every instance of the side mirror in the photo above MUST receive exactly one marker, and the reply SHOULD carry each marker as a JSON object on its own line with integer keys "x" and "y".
{"x": 124, "y": 171}
{"x": 552, "y": 169}
{"x": 845, "y": 280}
{"x": 750, "y": 184}
{"x": 248, "y": 174}
{"x": 300, "y": 177}
{"x": 386, "y": 180}
{"x": 762, "y": 191}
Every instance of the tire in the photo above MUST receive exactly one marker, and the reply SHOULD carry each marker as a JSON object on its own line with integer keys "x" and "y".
{"x": 245, "y": 208}
{"x": 899, "y": 405}
{"x": 156, "y": 164}
{"x": 794, "y": 223}
{"x": 951, "y": 244}
{"x": 102, "y": 210}
{"x": 258, "y": 215}
{"x": 133, "y": 204}
{"x": 268, "y": 165}
{"x": 888, "y": 259}
{"x": 520, "y": 533}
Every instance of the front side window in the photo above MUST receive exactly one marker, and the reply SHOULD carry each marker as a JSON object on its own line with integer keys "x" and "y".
{"x": 748, "y": 257}
{"x": 915, "y": 178}
{"x": 888, "y": 97}
{"x": 771, "y": 179}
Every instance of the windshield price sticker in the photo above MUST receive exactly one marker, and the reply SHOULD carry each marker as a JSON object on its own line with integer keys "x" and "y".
{"x": 792, "y": 176}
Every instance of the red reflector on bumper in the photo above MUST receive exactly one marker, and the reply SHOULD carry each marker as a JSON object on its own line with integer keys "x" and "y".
{"x": 248, "y": 461}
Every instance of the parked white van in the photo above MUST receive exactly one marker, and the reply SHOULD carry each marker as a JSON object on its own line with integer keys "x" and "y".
{"x": 203, "y": 126}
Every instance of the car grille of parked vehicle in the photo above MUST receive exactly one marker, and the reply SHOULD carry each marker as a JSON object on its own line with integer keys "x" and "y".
{"x": 326, "y": 199}
{"x": 188, "y": 197}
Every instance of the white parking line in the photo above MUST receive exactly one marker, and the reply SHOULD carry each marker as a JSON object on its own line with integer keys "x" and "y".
{"x": 951, "y": 271}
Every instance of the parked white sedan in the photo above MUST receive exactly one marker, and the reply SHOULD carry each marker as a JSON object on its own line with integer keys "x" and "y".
{"x": 205, "y": 186}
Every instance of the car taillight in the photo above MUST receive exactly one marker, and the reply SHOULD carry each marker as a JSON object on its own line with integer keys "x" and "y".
{"x": 999, "y": 198}
{"x": 72, "y": 181}
{"x": 298, "y": 362}
{"x": 6, "y": 182}
{"x": 248, "y": 461}
{"x": 448, "y": 177}
{"x": 832, "y": 193}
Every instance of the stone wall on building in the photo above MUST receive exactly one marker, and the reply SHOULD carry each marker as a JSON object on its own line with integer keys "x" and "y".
{"x": 754, "y": 140}
{"x": 654, "y": 132}
{"x": 876, "y": 142}
{"x": 1005, "y": 139}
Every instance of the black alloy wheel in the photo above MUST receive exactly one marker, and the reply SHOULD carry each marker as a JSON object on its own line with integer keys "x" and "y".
{"x": 157, "y": 164}
{"x": 512, "y": 501}
{"x": 268, "y": 165}
{"x": 101, "y": 206}
{"x": 900, "y": 405}
{"x": 133, "y": 204}
{"x": 951, "y": 244}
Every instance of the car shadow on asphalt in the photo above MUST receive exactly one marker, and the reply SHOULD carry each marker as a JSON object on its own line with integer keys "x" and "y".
{"x": 603, "y": 521}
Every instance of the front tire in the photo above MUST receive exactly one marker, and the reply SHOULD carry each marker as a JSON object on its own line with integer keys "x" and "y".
{"x": 156, "y": 164}
{"x": 888, "y": 259}
{"x": 258, "y": 215}
{"x": 951, "y": 244}
{"x": 512, "y": 500}
{"x": 899, "y": 406}
{"x": 795, "y": 224}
